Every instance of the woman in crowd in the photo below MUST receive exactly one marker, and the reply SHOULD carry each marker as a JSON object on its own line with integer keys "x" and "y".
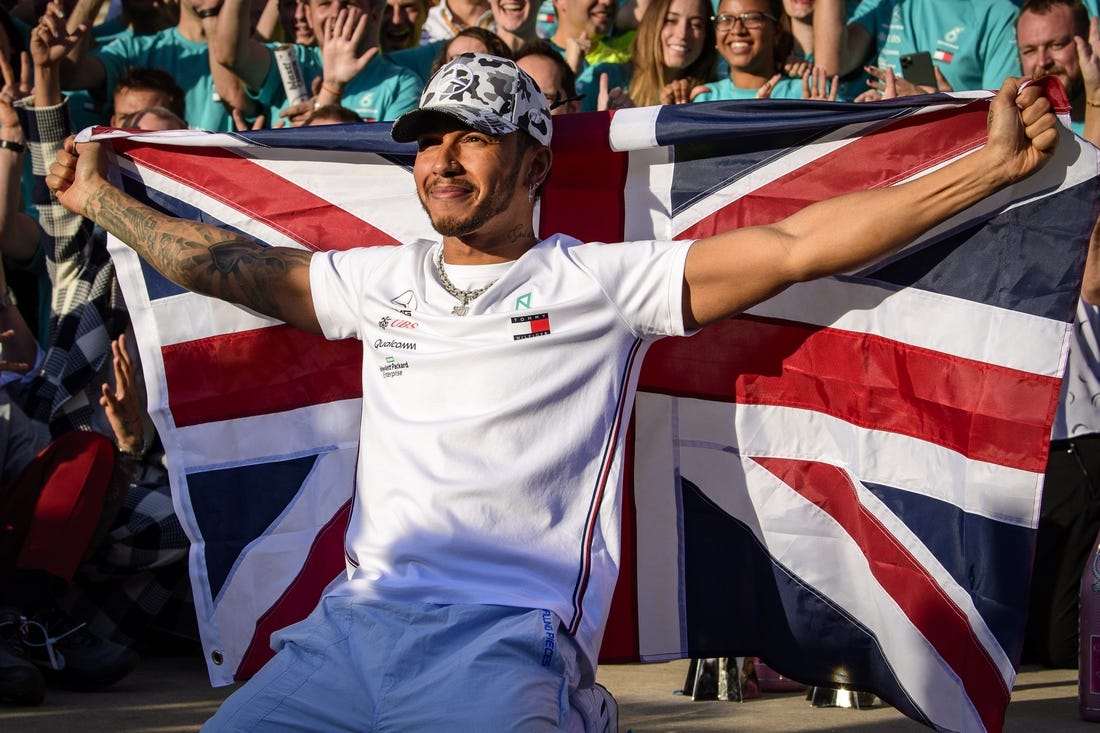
{"x": 674, "y": 49}
{"x": 754, "y": 46}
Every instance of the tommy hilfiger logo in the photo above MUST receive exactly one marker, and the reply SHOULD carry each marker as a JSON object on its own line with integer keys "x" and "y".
{"x": 525, "y": 327}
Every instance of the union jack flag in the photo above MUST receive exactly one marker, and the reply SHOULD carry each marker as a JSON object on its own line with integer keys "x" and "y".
{"x": 844, "y": 481}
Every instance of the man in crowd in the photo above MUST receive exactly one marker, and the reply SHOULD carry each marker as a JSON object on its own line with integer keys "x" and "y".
{"x": 483, "y": 549}
{"x": 346, "y": 62}
{"x": 1045, "y": 33}
{"x": 401, "y": 24}
{"x": 554, "y": 77}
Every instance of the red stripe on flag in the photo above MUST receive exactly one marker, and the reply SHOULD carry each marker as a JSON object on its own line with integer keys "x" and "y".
{"x": 584, "y": 195}
{"x": 242, "y": 185}
{"x": 299, "y": 369}
{"x": 870, "y": 381}
{"x": 874, "y": 161}
{"x": 915, "y": 591}
{"x": 323, "y": 563}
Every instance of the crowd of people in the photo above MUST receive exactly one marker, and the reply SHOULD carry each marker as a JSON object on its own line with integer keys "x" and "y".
{"x": 72, "y": 385}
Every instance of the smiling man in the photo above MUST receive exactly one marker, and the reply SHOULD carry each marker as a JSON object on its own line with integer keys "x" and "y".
{"x": 401, "y": 24}
{"x": 483, "y": 546}
{"x": 583, "y": 26}
{"x": 1044, "y": 36}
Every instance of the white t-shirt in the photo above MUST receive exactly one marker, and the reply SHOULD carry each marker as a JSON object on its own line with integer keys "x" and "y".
{"x": 491, "y": 447}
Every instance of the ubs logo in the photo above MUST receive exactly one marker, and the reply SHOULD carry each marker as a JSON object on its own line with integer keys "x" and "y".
{"x": 390, "y": 322}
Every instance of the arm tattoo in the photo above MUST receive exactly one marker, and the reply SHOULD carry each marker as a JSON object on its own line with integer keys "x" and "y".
{"x": 198, "y": 256}
{"x": 253, "y": 272}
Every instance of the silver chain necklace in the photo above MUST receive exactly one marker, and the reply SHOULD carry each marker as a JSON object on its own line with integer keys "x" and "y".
{"x": 466, "y": 296}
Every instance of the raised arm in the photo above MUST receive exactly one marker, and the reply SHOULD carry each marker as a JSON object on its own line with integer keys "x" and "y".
{"x": 1088, "y": 56}
{"x": 19, "y": 235}
{"x": 839, "y": 46}
{"x": 232, "y": 47}
{"x": 273, "y": 281}
{"x": 730, "y": 272}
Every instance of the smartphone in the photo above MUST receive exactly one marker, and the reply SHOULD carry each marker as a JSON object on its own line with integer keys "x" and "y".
{"x": 916, "y": 68}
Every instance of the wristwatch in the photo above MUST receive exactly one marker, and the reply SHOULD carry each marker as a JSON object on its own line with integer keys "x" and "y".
{"x": 7, "y": 298}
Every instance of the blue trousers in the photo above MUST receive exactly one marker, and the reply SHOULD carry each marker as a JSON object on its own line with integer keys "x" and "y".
{"x": 357, "y": 665}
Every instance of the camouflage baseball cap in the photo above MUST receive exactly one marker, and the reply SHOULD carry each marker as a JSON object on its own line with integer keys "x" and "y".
{"x": 487, "y": 93}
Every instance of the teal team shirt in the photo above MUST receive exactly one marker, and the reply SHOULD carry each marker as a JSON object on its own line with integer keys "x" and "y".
{"x": 588, "y": 82}
{"x": 973, "y": 43}
{"x": 187, "y": 61}
{"x": 725, "y": 89}
{"x": 419, "y": 59}
{"x": 381, "y": 92}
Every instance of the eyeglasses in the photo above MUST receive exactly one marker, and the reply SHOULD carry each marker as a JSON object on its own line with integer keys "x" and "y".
{"x": 751, "y": 21}
{"x": 556, "y": 100}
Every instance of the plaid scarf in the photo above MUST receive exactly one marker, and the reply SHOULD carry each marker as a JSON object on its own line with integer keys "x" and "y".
{"x": 87, "y": 311}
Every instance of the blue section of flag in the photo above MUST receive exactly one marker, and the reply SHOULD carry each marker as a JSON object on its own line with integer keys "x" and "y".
{"x": 235, "y": 506}
{"x": 1002, "y": 262}
{"x": 758, "y": 122}
{"x": 374, "y": 138}
{"x": 988, "y": 558}
{"x": 740, "y": 602}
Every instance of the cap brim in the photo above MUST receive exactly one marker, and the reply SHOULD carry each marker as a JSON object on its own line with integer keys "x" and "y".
{"x": 408, "y": 126}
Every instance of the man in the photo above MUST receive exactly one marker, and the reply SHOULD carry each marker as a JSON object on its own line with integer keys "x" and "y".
{"x": 1045, "y": 33}
{"x": 553, "y": 76}
{"x": 483, "y": 547}
{"x": 346, "y": 62}
{"x": 401, "y": 24}
{"x": 293, "y": 16}
{"x": 142, "y": 88}
{"x": 582, "y": 27}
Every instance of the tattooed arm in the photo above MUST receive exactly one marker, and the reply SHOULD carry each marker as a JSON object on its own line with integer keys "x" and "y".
{"x": 200, "y": 257}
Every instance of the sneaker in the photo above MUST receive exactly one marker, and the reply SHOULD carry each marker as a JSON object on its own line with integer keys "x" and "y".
{"x": 73, "y": 658}
{"x": 20, "y": 681}
{"x": 595, "y": 710}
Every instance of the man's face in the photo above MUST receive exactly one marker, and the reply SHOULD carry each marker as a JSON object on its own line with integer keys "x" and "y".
{"x": 513, "y": 16}
{"x": 593, "y": 17}
{"x": 1045, "y": 43}
{"x": 401, "y": 24}
{"x": 127, "y": 101}
{"x": 321, "y": 11}
{"x": 467, "y": 180}
{"x": 294, "y": 17}
{"x": 547, "y": 75}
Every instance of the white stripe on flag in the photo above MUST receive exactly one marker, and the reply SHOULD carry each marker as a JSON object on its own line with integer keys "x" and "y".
{"x": 847, "y": 581}
{"x": 890, "y": 459}
{"x": 903, "y": 315}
